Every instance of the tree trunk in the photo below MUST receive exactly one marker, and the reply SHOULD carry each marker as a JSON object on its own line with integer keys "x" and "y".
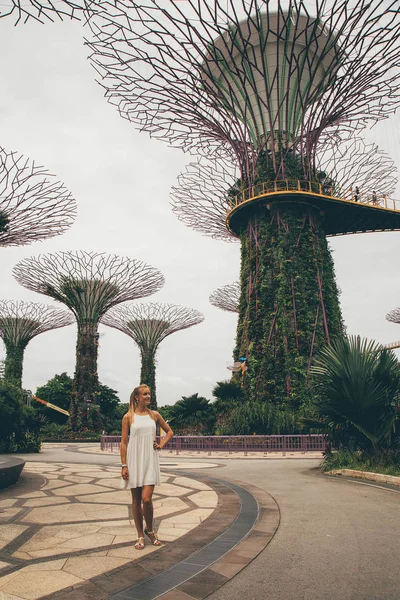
{"x": 86, "y": 382}
{"x": 289, "y": 305}
{"x": 13, "y": 363}
{"x": 148, "y": 373}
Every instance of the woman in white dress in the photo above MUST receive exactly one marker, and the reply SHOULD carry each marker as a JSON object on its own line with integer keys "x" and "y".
{"x": 139, "y": 459}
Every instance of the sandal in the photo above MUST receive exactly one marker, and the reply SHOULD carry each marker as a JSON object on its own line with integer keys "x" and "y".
{"x": 140, "y": 544}
{"x": 153, "y": 538}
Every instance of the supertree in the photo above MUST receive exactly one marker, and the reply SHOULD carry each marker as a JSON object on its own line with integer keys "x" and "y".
{"x": 41, "y": 11}
{"x": 19, "y": 323}
{"x": 227, "y": 297}
{"x": 393, "y": 316}
{"x": 89, "y": 284}
{"x": 148, "y": 325}
{"x": 33, "y": 205}
{"x": 262, "y": 88}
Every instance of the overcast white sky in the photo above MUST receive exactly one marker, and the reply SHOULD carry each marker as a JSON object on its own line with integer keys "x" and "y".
{"x": 53, "y": 111}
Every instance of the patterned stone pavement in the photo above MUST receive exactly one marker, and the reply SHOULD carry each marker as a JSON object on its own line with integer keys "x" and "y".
{"x": 74, "y": 524}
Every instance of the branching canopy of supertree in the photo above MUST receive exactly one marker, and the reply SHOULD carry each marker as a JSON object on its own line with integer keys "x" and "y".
{"x": 227, "y": 297}
{"x": 201, "y": 198}
{"x": 250, "y": 77}
{"x": 149, "y": 324}
{"x": 21, "y": 321}
{"x": 88, "y": 283}
{"x": 42, "y": 11}
{"x": 33, "y": 205}
{"x": 393, "y": 316}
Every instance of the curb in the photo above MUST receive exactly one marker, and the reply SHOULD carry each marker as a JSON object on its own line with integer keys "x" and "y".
{"x": 368, "y": 475}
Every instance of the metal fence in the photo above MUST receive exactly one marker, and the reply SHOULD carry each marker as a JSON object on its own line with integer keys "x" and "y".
{"x": 294, "y": 185}
{"x": 234, "y": 443}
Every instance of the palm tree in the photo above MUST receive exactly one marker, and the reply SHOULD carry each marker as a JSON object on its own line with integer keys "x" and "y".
{"x": 228, "y": 395}
{"x": 358, "y": 389}
{"x": 192, "y": 415}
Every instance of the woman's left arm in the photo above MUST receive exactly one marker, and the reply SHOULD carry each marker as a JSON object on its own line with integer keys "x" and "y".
{"x": 169, "y": 433}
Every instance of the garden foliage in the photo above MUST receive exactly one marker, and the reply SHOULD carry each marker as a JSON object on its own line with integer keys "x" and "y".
{"x": 19, "y": 426}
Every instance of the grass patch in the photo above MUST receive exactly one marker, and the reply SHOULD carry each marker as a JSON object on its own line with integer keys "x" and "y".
{"x": 388, "y": 464}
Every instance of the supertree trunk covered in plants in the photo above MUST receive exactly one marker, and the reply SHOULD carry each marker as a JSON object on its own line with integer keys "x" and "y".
{"x": 33, "y": 205}
{"x": 19, "y": 323}
{"x": 148, "y": 325}
{"x": 289, "y": 303}
{"x": 271, "y": 95}
{"x": 89, "y": 284}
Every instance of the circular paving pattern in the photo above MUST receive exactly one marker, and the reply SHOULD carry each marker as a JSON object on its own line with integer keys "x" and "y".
{"x": 78, "y": 525}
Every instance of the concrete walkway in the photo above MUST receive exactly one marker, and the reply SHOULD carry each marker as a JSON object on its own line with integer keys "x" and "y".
{"x": 52, "y": 532}
{"x": 68, "y": 533}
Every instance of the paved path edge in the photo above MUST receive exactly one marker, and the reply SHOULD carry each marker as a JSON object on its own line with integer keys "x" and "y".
{"x": 368, "y": 475}
{"x": 224, "y": 569}
{"x": 215, "y": 575}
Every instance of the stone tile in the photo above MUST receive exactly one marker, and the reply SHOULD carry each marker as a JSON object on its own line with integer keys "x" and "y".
{"x": 55, "y": 484}
{"x": 51, "y": 565}
{"x": 48, "y": 500}
{"x": 3, "y": 564}
{"x": 227, "y": 569}
{"x": 87, "y": 542}
{"x": 171, "y": 535}
{"x": 9, "y": 533}
{"x": 168, "y": 489}
{"x": 130, "y": 552}
{"x": 7, "y": 502}
{"x": 122, "y": 579}
{"x": 78, "y": 479}
{"x": 33, "y": 495}
{"x": 106, "y": 497}
{"x": 236, "y": 558}
{"x": 41, "y": 583}
{"x": 75, "y": 512}
{"x": 89, "y": 566}
{"x": 41, "y": 467}
{"x": 5, "y": 596}
{"x": 113, "y": 482}
{"x": 205, "y": 499}
{"x": 194, "y": 516}
{"x": 203, "y": 584}
{"x": 79, "y": 489}
{"x": 191, "y": 483}
{"x": 49, "y": 536}
{"x": 8, "y": 513}
{"x": 23, "y": 555}
{"x": 88, "y": 591}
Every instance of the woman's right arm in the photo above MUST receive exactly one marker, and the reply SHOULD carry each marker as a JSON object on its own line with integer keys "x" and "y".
{"x": 124, "y": 446}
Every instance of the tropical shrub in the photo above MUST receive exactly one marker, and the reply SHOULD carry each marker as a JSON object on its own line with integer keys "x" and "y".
{"x": 228, "y": 394}
{"x": 357, "y": 384}
{"x": 104, "y": 414}
{"x": 19, "y": 426}
{"x": 260, "y": 418}
{"x": 192, "y": 415}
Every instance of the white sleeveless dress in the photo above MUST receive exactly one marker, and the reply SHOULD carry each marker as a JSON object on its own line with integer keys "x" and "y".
{"x": 141, "y": 458}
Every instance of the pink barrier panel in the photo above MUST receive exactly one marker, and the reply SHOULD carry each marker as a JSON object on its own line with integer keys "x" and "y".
{"x": 234, "y": 443}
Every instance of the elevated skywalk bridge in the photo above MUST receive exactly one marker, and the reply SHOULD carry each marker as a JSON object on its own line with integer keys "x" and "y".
{"x": 344, "y": 211}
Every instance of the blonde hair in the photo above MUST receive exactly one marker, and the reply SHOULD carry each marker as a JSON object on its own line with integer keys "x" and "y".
{"x": 133, "y": 402}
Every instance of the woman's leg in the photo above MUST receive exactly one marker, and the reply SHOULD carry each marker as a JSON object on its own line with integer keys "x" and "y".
{"x": 147, "y": 502}
{"x": 137, "y": 510}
